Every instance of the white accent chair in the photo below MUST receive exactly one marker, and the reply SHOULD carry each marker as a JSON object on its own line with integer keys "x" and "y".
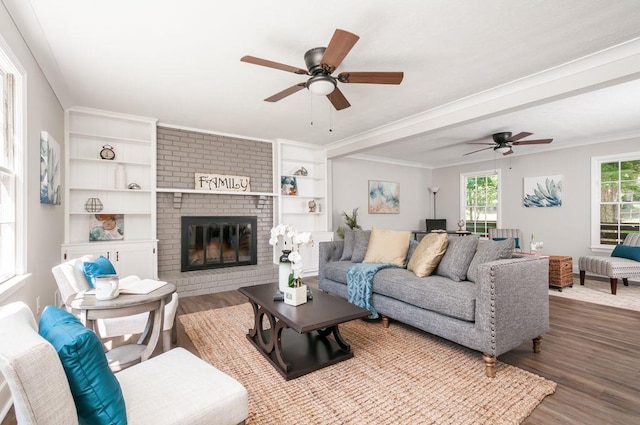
{"x": 71, "y": 279}
{"x": 173, "y": 388}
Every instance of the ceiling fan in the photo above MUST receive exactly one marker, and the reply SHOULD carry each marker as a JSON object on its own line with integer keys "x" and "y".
{"x": 503, "y": 142}
{"x": 321, "y": 62}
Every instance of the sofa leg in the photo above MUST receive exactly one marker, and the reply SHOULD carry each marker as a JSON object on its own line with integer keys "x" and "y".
{"x": 537, "y": 344}
{"x": 582, "y": 273}
{"x": 625, "y": 281}
{"x": 385, "y": 321}
{"x": 489, "y": 364}
{"x": 614, "y": 285}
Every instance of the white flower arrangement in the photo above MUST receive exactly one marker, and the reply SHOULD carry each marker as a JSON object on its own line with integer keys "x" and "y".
{"x": 291, "y": 240}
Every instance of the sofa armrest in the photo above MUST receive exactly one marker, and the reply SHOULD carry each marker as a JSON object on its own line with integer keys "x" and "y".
{"x": 329, "y": 251}
{"x": 513, "y": 302}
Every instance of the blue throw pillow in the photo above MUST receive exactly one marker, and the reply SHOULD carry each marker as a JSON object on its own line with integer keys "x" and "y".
{"x": 626, "y": 251}
{"x": 99, "y": 267}
{"x": 517, "y": 240}
{"x": 95, "y": 389}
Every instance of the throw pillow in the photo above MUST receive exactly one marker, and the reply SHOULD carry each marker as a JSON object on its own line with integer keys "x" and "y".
{"x": 626, "y": 251}
{"x": 349, "y": 240}
{"x": 428, "y": 254}
{"x": 95, "y": 389}
{"x": 456, "y": 260}
{"x": 489, "y": 251}
{"x": 360, "y": 244}
{"x": 387, "y": 246}
{"x": 99, "y": 267}
{"x": 517, "y": 241}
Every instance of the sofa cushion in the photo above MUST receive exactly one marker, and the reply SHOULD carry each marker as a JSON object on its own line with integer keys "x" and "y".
{"x": 387, "y": 246}
{"x": 516, "y": 240}
{"x": 361, "y": 242}
{"x": 95, "y": 389}
{"x": 428, "y": 254}
{"x": 434, "y": 293}
{"x": 337, "y": 270}
{"x": 456, "y": 260}
{"x": 349, "y": 241}
{"x": 489, "y": 251}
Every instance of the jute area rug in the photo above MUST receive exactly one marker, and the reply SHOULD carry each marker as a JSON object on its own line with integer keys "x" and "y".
{"x": 599, "y": 292}
{"x": 398, "y": 375}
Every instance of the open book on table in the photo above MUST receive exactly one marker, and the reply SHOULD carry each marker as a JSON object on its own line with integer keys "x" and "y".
{"x": 142, "y": 286}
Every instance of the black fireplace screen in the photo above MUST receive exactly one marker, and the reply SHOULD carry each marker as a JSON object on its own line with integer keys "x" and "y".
{"x": 213, "y": 242}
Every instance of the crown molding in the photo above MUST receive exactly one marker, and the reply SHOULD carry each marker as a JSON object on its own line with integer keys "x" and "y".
{"x": 400, "y": 162}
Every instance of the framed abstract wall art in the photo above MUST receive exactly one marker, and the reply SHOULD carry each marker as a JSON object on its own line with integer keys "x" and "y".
{"x": 384, "y": 197}
{"x": 50, "y": 188}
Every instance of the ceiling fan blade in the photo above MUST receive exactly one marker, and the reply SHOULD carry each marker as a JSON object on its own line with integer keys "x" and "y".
{"x": 519, "y": 136}
{"x": 371, "y": 77}
{"x": 275, "y": 65}
{"x": 481, "y": 143}
{"x": 533, "y": 142}
{"x": 509, "y": 152}
{"x": 479, "y": 150}
{"x": 286, "y": 92}
{"x": 341, "y": 43}
{"x": 338, "y": 100}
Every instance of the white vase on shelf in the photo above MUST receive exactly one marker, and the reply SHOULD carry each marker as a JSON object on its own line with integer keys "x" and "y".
{"x": 120, "y": 177}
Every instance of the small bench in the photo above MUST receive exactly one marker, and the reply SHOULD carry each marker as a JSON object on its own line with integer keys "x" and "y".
{"x": 612, "y": 267}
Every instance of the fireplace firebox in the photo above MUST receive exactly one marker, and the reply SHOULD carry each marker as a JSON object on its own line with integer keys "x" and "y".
{"x": 214, "y": 242}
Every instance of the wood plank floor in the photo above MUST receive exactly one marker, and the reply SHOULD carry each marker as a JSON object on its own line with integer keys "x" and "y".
{"x": 591, "y": 351}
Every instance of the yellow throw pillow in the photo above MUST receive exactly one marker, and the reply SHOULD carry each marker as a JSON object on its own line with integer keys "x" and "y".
{"x": 388, "y": 246}
{"x": 428, "y": 254}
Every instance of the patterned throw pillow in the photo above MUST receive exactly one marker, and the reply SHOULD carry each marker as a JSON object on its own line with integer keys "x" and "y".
{"x": 360, "y": 245}
{"x": 489, "y": 251}
{"x": 349, "y": 241}
{"x": 428, "y": 254}
{"x": 456, "y": 260}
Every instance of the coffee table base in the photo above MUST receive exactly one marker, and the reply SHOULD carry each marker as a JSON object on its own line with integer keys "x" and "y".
{"x": 293, "y": 354}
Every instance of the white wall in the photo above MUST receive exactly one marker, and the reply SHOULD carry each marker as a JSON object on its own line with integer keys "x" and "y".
{"x": 349, "y": 189}
{"x": 564, "y": 230}
{"x": 44, "y": 233}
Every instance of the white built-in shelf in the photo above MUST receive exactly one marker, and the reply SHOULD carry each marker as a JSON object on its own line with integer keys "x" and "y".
{"x": 302, "y": 197}
{"x": 84, "y": 212}
{"x": 94, "y": 189}
{"x": 110, "y": 161}
{"x": 105, "y": 137}
{"x": 302, "y": 213}
{"x": 207, "y": 192}
{"x": 303, "y": 161}
{"x": 303, "y": 177}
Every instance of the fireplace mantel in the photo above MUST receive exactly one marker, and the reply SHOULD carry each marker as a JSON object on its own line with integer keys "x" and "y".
{"x": 206, "y": 192}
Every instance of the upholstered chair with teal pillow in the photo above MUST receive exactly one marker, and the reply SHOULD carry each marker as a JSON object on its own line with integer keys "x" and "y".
{"x": 172, "y": 388}
{"x": 502, "y": 234}
{"x": 624, "y": 263}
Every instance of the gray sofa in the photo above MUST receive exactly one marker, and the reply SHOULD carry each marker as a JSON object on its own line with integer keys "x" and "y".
{"x": 507, "y": 305}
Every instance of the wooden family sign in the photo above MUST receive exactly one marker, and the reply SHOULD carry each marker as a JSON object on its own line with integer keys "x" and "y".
{"x": 222, "y": 183}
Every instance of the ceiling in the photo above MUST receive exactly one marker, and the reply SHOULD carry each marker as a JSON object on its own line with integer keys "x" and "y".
{"x": 566, "y": 70}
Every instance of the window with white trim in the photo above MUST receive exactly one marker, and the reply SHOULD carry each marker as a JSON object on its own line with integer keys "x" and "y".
{"x": 615, "y": 200}
{"x": 480, "y": 201}
{"x": 8, "y": 170}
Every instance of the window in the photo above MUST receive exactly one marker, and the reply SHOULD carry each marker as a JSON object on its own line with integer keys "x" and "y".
{"x": 615, "y": 209}
{"x": 480, "y": 201}
{"x": 8, "y": 173}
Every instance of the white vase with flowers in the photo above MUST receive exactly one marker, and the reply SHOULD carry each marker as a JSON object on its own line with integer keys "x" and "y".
{"x": 290, "y": 267}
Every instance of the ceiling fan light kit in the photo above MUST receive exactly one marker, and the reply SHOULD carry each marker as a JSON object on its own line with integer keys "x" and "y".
{"x": 321, "y": 62}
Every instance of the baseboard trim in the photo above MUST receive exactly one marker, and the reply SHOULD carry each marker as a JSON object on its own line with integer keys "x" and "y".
{"x": 5, "y": 399}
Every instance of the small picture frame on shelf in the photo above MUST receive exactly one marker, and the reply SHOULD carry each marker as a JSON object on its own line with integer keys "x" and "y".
{"x": 106, "y": 227}
{"x": 288, "y": 186}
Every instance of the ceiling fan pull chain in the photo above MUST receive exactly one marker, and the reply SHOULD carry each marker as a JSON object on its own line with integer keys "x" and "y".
{"x": 330, "y": 120}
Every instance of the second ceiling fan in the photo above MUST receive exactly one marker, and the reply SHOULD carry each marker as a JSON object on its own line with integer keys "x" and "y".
{"x": 503, "y": 142}
{"x": 321, "y": 62}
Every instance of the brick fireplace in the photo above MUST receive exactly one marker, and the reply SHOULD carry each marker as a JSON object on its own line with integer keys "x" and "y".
{"x": 181, "y": 153}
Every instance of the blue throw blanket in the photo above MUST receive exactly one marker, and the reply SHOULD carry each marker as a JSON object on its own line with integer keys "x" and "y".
{"x": 360, "y": 282}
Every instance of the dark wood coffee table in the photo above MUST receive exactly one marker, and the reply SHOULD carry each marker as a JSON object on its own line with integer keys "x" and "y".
{"x": 290, "y": 343}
